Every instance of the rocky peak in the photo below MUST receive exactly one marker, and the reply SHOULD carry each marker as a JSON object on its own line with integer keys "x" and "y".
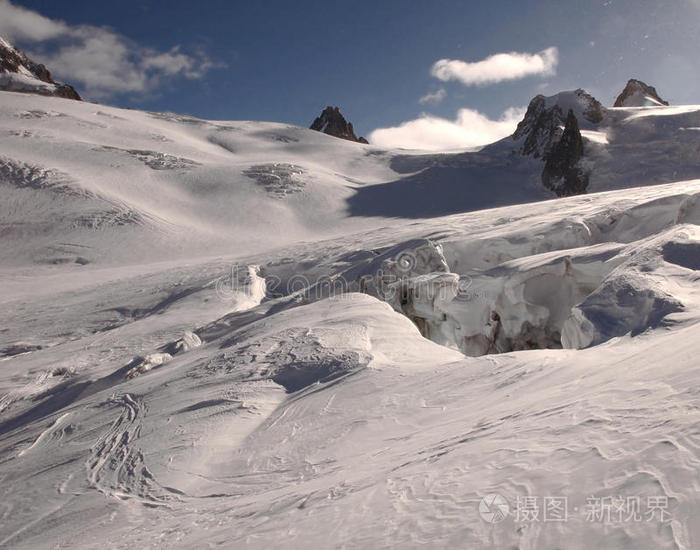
{"x": 638, "y": 94}
{"x": 562, "y": 171}
{"x": 543, "y": 123}
{"x": 333, "y": 123}
{"x": 539, "y": 129}
{"x": 18, "y": 73}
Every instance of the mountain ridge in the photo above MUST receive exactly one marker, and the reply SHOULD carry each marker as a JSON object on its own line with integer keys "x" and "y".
{"x": 18, "y": 73}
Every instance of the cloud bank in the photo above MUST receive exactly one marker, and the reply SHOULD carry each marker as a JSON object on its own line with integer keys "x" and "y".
{"x": 99, "y": 61}
{"x": 497, "y": 68}
{"x": 470, "y": 129}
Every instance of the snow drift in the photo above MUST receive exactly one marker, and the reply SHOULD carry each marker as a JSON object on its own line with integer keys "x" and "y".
{"x": 255, "y": 335}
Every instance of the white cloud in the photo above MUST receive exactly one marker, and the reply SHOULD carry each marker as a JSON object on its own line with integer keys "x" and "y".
{"x": 470, "y": 129}
{"x": 17, "y": 23}
{"x": 434, "y": 97}
{"x": 174, "y": 62}
{"x": 97, "y": 60}
{"x": 497, "y": 68}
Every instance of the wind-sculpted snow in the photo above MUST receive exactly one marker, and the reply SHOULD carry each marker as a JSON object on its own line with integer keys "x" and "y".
{"x": 115, "y": 467}
{"x": 516, "y": 289}
{"x": 39, "y": 113}
{"x": 279, "y": 180}
{"x": 403, "y": 450}
{"x": 40, "y": 204}
{"x": 20, "y": 174}
{"x": 284, "y": 135}
{"x": 637, "y": 295}
{"x": 193, "y": 186}
{"x": 523, "y": 304}
{"x": 295, "y": 358}
{"x": 147, "y": 363}
{"x": 156, "y": 160}
{"x": 235, "y": 370}
{"x": 173, "y": 117}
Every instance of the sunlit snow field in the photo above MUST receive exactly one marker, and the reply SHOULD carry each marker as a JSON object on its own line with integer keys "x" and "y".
{"x": 247, "y": 335}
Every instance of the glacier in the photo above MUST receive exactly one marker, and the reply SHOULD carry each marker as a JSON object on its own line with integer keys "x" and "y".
{"x": 253, "y": 335}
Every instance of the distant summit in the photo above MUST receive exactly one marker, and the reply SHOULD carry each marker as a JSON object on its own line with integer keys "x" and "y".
{"x": 333, "y": 123}
{"x": 544, "y": 121}
{"x": 639, "y": 94}
{"x": 18, "y": 73}
{"x": 551, "y": 131}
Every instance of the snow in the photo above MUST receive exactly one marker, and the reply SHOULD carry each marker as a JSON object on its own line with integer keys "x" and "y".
{"x": 253, "y": 335}
{"x": 662, "y": 111}
{"x": 188, "y": 341}
{"x": 639, "y": 99}
{"x": 578, "y": 101}
{"x": 596, "y": 137}
{"x": 23, "y": 81}
{"x": 147, "y": 363}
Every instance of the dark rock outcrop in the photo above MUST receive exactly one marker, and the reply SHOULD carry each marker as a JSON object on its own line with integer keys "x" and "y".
{"x": 540, "y": 128}
{"x": 638, "y": 94}
{"x": 333, "y": 123}
{"x": 18, "y": 73}
{"x": 542, "y": 125}
{"x": 562, "y": 171}
{"x": 546, "y": 133}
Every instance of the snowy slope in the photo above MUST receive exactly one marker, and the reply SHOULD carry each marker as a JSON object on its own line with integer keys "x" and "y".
{"x": 93, "y": 184}
{"x": 252, "y": 335}
{"x": 152, "y": 184}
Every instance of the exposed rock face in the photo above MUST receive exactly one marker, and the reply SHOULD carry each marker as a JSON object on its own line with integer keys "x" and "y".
{"x": 333, "y": 123}
{"x": 18, "y": 73}
{"x": 546, "y": 133}
{"x": 638, "y": 94}
{"x": 562, "y": 171}
{"x": 542, "y": 125}
{"x": 540, "y": 128}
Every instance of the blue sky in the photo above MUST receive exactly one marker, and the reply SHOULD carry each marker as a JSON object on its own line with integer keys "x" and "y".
{"x": 286, "y": 60}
